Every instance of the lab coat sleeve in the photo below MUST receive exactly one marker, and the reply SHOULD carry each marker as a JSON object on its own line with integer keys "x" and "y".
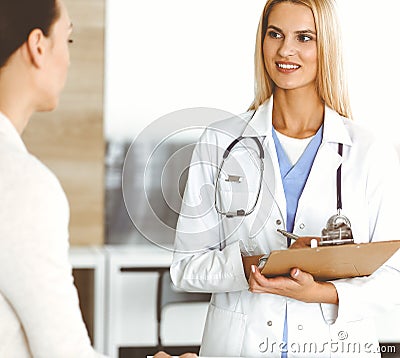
{"x": 36, "y": 276}
{"x": 368, "y": 296}
{"x": 204, "y": 259}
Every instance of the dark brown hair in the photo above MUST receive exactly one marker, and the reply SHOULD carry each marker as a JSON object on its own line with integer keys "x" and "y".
{"x": 17, "y": 20}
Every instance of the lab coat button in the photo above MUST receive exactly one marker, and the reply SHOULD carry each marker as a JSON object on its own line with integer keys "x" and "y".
{"x": 302, "y": 226}
{"x": 300, "y": 327}
{"x": 278, "y": 222}
{"x": 269, "y": 323}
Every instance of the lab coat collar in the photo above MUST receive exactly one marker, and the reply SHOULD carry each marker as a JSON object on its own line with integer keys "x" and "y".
{"x": 8, "y": 131}
{"x": 334, "y": 128}
{"x": 261, "y": 124}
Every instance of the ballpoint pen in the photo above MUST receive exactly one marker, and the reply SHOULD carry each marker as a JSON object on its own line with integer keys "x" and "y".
{"x": 288, "y": 234}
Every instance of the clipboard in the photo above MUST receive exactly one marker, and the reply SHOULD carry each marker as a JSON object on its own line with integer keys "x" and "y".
{"x": 328, "y": 262}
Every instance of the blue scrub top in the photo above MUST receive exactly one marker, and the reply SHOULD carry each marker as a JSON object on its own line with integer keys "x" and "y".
{"x": 294, "y": 178}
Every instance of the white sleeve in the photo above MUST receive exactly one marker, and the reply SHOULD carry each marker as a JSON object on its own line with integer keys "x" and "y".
{"x": 36, "y": 276}
{"x": 204, "y": 260}
{"x": 368, "y": 296}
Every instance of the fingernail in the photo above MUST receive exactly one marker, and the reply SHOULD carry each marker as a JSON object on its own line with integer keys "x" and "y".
{"x": 296, "y": 273}
{"x": 314, "y": 243}
{"x": 253, "y": 269}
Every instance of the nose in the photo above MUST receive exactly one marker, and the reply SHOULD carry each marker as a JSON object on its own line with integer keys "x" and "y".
{"x": 288, "y": 48}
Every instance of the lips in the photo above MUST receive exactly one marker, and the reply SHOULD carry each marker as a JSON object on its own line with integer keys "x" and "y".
{"x": 287, "y": 67}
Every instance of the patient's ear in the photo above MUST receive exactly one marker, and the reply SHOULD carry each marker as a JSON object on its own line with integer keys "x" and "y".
{"x": 36, "y": 46}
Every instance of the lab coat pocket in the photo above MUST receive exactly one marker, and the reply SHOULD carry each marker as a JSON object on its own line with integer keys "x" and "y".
{"x": 239, "y": 227}
{"x": 232, "y": 200}
{"x": 223, "y": 333}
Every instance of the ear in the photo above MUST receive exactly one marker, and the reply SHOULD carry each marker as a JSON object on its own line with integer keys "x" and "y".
{"x": 36, "y": 46}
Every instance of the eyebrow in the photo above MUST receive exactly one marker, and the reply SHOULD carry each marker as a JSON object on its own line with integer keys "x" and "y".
{"x": 296, "y": 32}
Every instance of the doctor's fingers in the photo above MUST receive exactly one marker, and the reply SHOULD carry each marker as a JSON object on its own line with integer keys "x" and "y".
{"x": 284, "y": 286}
{"x": 258, "y": 283}
{"x": 162, "y": 354}
{"x": 300, "y": 286}
{"x": 303, "y": 241}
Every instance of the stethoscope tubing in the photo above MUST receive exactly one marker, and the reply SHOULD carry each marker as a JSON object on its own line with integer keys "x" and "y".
{"x": 228, "y": 150}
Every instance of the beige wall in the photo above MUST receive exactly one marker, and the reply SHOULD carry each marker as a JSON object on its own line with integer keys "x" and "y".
{"x": 70, "y": 139}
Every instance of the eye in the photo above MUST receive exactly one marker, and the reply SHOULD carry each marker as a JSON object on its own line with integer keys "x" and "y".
{"x": 274, "y": 35}
{"x": 305, "y": 38}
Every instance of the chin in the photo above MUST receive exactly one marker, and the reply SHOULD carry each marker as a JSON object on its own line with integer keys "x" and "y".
{"x": 286, "y": 87}
{"x": 48, "y": 106}
{"x": 292, "y": 86}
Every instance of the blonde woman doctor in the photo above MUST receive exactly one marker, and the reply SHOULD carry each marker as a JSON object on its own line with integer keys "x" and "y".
{"x": 301, "y": 119}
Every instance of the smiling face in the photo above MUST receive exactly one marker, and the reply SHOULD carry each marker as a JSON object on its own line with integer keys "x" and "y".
{"x": 290, "y": 47}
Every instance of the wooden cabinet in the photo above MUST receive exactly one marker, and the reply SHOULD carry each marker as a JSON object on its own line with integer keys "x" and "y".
{"x": 89, "y": 269}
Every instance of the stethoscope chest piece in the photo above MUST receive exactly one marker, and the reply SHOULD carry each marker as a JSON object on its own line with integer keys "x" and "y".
{"x": 337, "y": 231}
{"x": 338, "y": 227}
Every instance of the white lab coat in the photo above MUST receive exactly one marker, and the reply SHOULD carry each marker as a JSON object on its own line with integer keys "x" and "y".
{"x": 241, "y": 323}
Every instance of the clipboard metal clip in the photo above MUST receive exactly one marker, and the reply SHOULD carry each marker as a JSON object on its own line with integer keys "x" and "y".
{"x": 262, "y": 261}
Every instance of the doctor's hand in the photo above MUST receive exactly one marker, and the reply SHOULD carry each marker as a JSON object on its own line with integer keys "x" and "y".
{"x": 300, "y": 286}
{"x": 303, "y": 241}
{"x": 162, "y": 354}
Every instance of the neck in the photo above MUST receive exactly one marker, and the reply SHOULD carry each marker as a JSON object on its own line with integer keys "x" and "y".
{"x": 297, "y": 113}
{"x": 15, "y": 101}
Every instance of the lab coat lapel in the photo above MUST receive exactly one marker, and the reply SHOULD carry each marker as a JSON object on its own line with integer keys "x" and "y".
{"x": 334, "y": 133}
{"x": 334, "y": 128}
{"x": 325, "y": 165}
{"x": 260, "y": 124}
{"x": 326, "y": 162}
{"x": 272, "y": 196}
{"x": 272, "y": 201}
{"x": 279, "y": 191}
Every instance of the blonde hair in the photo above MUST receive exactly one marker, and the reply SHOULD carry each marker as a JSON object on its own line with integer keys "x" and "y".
{"x": 330, "y": 83}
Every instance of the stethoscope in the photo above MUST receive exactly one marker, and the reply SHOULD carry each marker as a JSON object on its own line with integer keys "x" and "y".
{"x": 338, "y": 227}
{"x": 237, "y": 179}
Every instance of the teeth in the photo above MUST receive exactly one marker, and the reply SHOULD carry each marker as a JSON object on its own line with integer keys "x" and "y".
{"x": 287, "y": 67}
